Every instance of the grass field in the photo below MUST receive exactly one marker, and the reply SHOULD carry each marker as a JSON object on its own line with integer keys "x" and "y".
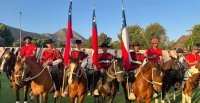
{"x": 7, "y": 95}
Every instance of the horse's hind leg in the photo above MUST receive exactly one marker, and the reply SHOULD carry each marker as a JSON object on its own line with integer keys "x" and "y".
{"x": 148, "y": 100}
{"x": 37, "y": 98}
{"x": 26, "y": 87}
{"x": 183, "y": 98}
{"x": 54, "y": 99}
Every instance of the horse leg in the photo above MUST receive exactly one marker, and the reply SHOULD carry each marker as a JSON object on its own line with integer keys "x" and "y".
{"x": 72, "y": 99}
{"x": 103, "y": 99}
{"x": 148, "y": 100}
{"x": 111, "y": 98}
{"x": 45, "y": 97}
{"x": 26, "y": 87}
{"x": 174, "y": 95}
{"x": 125, "y": 92}
{"x": 183, "y": 97}
{"x": 37, "y": 98}
{"x": 167, "y": 97}
{"x": 54, "y": 99}
{"x": 16, "y": 90}
{"x": 81, "y": 98}
{"x": 137, "y": 100}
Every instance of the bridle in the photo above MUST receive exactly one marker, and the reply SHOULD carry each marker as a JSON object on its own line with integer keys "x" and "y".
{"x": 75, "y": 73}
{"x": 153, "y": 82}
{"x": 115, "y": 71}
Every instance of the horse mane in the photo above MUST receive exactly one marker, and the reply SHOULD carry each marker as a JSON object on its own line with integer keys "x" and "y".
{"x": 31, "y": 62}
{"x": 149, "y": 65}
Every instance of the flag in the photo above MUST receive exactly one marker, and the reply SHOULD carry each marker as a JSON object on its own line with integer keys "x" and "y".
{"x": 94, "y": 40}
{"x": 125, "y": 42}
{"x": 69, "y": 35}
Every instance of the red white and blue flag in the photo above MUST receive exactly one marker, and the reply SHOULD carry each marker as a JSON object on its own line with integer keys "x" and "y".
{"x": 69, "y": 36}
{"x": 125, "y": 42}
{"x": 94, "y": 41}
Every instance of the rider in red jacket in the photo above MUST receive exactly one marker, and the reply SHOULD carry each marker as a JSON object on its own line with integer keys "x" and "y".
{"x": 29, "y": 49}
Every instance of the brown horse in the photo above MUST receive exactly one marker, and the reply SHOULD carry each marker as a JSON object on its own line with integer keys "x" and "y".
{"x": 9, "y": 65}
{"x": 190, "y": 84}
{"x": 41, "y": 80}
{"x": 77, "y": 82}
{"x": 114, "y": 74}
{"x": 147, "y": 81}
{"x": 173, "y": 75}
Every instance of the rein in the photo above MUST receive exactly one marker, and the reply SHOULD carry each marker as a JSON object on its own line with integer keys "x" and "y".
{"x": 152, "y": 82}
{"x": 31, "y": 78}
{"x": 114, "y": 71}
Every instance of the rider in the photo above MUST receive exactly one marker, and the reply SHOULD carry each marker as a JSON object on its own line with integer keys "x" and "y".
{"x": 105, "y": 60}
{"x": 154, "y": 54}
{"x": 181, "y": 58}
{"x": 29, "y": 49}
{"x": 136, "y": 64}
{"x": 191, "y": 59}
{"x": 52, "y": 58}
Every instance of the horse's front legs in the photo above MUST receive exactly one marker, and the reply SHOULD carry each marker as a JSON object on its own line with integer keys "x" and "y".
{"x": 148, "y": 100}
{"x": 103, "y": 98}
{"x": 37, "y": 98}
{"x": 16, "y": 91}
{"x": 81, "y": 98}
{"x": 45, "y": 97}
{"x": 26, "y": 87}
{"x": 72, "y": 99}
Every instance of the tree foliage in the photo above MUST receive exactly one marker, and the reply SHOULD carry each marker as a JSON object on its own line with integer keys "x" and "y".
{"x": 194, "y": 39}
{"x": 6, "y": 34}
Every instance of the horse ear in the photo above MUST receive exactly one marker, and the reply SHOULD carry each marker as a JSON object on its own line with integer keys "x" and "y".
{"x": 13, "y": 49}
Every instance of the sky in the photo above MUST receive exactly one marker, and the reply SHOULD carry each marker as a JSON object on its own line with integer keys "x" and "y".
{"x": 49, "y": 16}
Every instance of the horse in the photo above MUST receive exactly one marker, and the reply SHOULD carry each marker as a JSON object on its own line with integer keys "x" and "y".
{"x": 190, "y": 84}
{"x": 77, "y": 81}
{"x": 148, "y": 80}
{"x": 114, "y": 74}
{"x": 173, "y": 75}
{"x": 8, "y": 65}
{"x": 41, "y": 79}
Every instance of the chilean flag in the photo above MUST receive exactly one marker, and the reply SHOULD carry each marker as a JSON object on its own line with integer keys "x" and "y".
{"x": 94, "y": 41}
{"x": 125, "y": 42}
{"x": 69, "y": 36}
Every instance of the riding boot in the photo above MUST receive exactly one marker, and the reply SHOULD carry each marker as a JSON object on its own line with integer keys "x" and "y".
{"x": 131, "y": 93}
{"x": 55, "y": 78}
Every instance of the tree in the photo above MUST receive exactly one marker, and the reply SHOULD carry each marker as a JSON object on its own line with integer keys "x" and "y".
{"x": 6, "y": 34}
{"x": 88, "y": 43}
{"x": 115, "y": 45}
{"x": 103, "y": 38}
{"x": 156, "y": 30}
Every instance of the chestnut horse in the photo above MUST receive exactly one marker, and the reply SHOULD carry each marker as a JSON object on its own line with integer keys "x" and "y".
{"x": 41, "y": 80}
{"x": 190, "y": 84}
{"x": 8, "y": 65}
{"x": 173, "y": 75}
{"x": 77, "y": 81}
{"x": 114, "y": 74}
{"x": 147, "y": 81}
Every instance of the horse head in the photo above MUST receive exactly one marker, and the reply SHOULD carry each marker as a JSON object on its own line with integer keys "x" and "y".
{"x": 18, "y": 71}
{"x": 156, "y": 77}
{"x": 116, "y": 69}
{"x": 7, "y": 60}
{"x": 74, "y": 69}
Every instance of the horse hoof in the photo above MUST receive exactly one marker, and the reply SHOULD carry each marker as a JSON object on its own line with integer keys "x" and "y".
{"x": 155, "y": 95}
{"x": 96, "y": 92}
{"x": 56, "y": 94}
{"x": 25, "y": 102}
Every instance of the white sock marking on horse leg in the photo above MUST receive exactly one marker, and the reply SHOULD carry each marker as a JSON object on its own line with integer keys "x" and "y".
{"x": 174, "y": 95}
{"x": 163, "y": 101}
{"x": 76, "y": 100}
{"x": 25, "y": 101}
{"x": 183, "y": 97}
{"x": 156, "y": 101}
{"x": 2, "y": 65}
{"x": 167, "y": 97}
{"x": 17, "y": 102}
{"x": 32, "y": 97}
{"x": 189, "y": 99}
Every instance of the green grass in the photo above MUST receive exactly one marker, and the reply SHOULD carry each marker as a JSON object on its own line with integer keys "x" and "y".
{"x": 7, "y": 95}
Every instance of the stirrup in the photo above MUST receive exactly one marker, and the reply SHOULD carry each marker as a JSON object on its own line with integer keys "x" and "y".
{"x": 65, "y": 94}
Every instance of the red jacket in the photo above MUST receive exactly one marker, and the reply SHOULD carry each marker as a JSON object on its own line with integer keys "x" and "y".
{"x": 105, "y": 60}
{"x": 192, "y": 58}
{"x": 27, "y": 51}
{"x": 50, "y": 55}
{"x": 157, "y": 52}
{"x": 80, "y": 55}
{"x": 136, "y": 57}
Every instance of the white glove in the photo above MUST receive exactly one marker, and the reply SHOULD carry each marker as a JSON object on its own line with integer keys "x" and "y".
{"x": 56, "y": 62}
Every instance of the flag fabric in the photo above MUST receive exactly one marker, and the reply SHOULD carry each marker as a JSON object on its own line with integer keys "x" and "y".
{"x": 94, "y": 41}
{"x": 125, "y": 42}
{"x": 69, "y": 36}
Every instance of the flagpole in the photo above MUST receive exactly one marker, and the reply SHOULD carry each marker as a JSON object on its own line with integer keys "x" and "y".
{"x": 20, "y": 32}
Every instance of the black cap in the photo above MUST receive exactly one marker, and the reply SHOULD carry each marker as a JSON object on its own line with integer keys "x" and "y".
{"x": 27, "y": 37}
{"x": 49, "y": 41}
{"x": 104, "y": 45}
{"x": 78, "y": 41}
{"x": 179, "y": 50}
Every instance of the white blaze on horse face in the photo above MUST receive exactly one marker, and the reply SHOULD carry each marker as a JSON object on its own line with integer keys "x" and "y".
{"x": 71, "y": 68}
